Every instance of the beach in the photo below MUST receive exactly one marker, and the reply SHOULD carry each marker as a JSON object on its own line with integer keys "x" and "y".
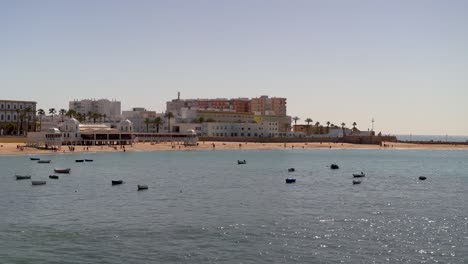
{"x": 20, "y": 149}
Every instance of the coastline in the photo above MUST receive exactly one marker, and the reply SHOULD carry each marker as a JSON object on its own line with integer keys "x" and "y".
{"x": 11, "y": 149}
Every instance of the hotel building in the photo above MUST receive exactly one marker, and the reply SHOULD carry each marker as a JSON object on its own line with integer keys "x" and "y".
{"x": 106, "y": 107}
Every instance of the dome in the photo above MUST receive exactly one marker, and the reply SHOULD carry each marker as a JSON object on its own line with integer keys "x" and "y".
{"x": 72, "y": 121}
{"x": 126, "y": 122}
{"x": 53, "y": 131}
{"x": 191, "y": 131}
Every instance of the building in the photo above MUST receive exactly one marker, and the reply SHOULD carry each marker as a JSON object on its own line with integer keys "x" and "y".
{"x": 139, "y": 116}
{"x": 264, "y": 105}
{"x": 17, "y": 117}
{"x": 252, "y": 130}
{"x": 105, "y": 107}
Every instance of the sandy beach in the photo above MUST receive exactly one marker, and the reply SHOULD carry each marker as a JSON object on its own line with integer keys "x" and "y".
{"x": 19, "y": 149}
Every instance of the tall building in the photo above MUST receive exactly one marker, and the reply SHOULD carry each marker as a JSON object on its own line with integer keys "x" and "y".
{"x": 239, "y": 105}
{"x": 264, "y": 105}
{"x": 102, "y": 106}
{"x": 17, "y": 116}
{"x": 139, "y": 115}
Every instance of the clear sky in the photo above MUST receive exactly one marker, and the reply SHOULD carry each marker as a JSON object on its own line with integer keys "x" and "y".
{"x": 404, "y": 63}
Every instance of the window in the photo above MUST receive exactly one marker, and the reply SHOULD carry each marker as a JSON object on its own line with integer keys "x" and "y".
{"x": 14, "y": 106}
{"x": 8, "y": 106}
{"x": 8, "y": 117}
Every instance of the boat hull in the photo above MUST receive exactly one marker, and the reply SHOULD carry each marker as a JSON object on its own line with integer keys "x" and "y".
{"x": 62, "y": 170}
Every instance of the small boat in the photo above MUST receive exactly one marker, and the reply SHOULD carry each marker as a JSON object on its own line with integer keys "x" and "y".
{"x": 88, "y": 160}
{"x": 38, "y": 182}
{"x": 422, "y": 178}
{"x": 291, "y": 170}
{"x": 290, "y": 180}
{"x": 79, "y": 160}
{"x": 241, "y": 162}
{"x": 23, "y": 177}
{"x": 117, "y": 182}
{"x": 62, "y": 170}
{"x": 360, "y": 175}
{"x": 334, "y": 166}
{"x": 33, "y": 158}
{"x": 54, "y": 177}
{"x": 356, "y": 182}
{"x": 43, "y": 161}
{"x": 142, "y": 187}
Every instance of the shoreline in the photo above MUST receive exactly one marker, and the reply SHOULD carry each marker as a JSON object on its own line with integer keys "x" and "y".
{"x": 10, "y": 149}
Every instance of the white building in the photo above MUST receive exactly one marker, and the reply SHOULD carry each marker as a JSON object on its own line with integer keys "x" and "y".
{"x": 263, "y": 129}
{"x": 17, "y": 117}
{"x": 111, "y": 109}
{"x": 139, "y": 115}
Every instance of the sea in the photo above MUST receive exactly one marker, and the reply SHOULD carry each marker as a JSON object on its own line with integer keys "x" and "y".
{"x": 202, "y": 207}
{"x": 433, "y": 138}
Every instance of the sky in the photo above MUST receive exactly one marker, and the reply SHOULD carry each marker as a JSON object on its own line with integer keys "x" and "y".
{"x": 403, "y": 63}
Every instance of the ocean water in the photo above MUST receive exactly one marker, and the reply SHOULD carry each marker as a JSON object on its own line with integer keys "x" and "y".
{"x": 435, "y": 138}
{"x": 201, "y": 207}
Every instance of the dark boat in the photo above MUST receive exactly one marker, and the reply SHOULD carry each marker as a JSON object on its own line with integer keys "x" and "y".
{"x": 38, "y": 182}
{"x": 241, "y": 162}
{"x": 290, "y": 180}
{"x": 62, "y": 170}
{"x": 79, "y": 160}
{"x": 54, "y": 177}
{"x": 334, "y": 166}
{"x": 43, "y": 161}
{"x": 88, "y": 160}
{"x": 117, "y": 182}
{"x": 291, "y": 170}
{"x": 360, "y": 175}
{"x": 356, "y": 182}
{"x": 142, "y": 187}
{"x": 23, "y": 177}
{"x": 422, "y": 178}
{"x": 32, "y": 158}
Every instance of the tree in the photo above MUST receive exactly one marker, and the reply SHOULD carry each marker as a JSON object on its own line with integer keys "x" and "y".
{"x": 17, "y": 121}
{"x": 169, "y": 115}
{"x": 90, "y": 116}
{"x": 28, "y": 111}
{"x": 104, "y": 116}
{"x": 147, "y": 122}
{"x": 328, "y": 127}
{"x": 157, "y": 121}
{"x": 308, "y": 121}
{"x": 201, "y": 119}
{"x": 62, "y": 112}
{"x": 41, "y": 113}
{"x": 52, "y": 112}
{"x": 80, "y": 117}
{"x": 295, "y": 119}
{"x": 354, "y": 126}
{"x": 22, "y": 117}
{"x": 94, "y": 116}
{"x": 71, "y": 113}
{"x": 342, "y": 127}
{"x": 9, "y": 127}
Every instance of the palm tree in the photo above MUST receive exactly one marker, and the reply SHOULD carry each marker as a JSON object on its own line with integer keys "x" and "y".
{"x": 201, "y": 119}
{"x": 169, "y": 115}
{"x": 28, "y": 111}
{"x": 52, "y": 112}
{"x": 94, "y": 116}
{"x": 90, "y": 116}
{"x": 342, "y": 127}
{"x": 71, "y": 113}
{"x": 308, "y": 121}
{"x": 354, "y": 126}
{"x": 62, "y": 112}
{"x": 41, "y": 113}
{"x": 104, "y": 116}
{"x": 21, "y": 118}
{"x": 147, "y": 121}
{"x": 80, "y": 117}
{"x": 157, "y": 121}
{"x": 17, "y": 121}
{"x": 328, "y": 127}
{"x": 295, "y": 119}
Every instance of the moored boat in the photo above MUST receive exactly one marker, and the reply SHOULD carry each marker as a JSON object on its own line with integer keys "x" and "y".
{"x": 241, "y": 162}
{"x": 54, "y": 177}
{"x": 290, "y": 180}
{"x": 359, "y": 175}
{"x": 38, "y": 182}
{"x": 117, "y": 182}
{"x": 334, "y": 166}
{"x": 79, "y": 160}
{"x": 356, "y": 182}
{"x": 43, "y": 161}
{"x": 142, "y": 187}
{"x": 34, "y": 158}
{"x": 88, "y": 160}
{"x": 23, "y": 177}
{"x": 422, "y": 178}
{"x": 62, "y": 170}
{"x": 291, "y": 170}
